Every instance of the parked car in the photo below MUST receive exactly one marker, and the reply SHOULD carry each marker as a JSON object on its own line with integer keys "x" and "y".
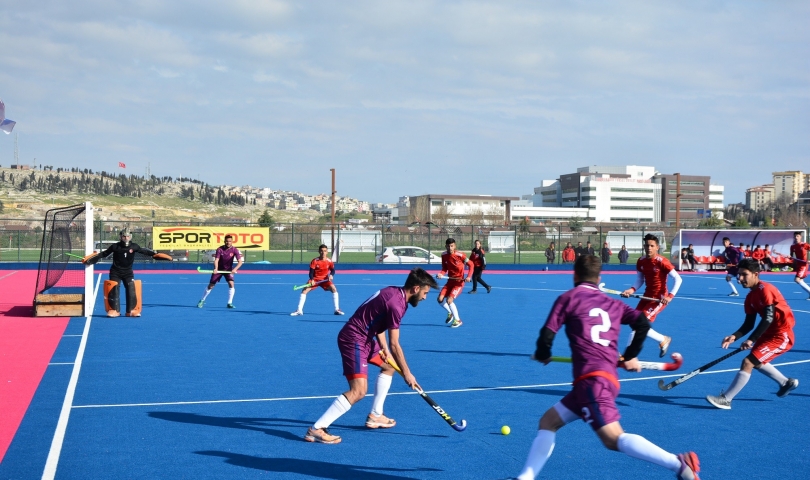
{"x": 407, "y": 255}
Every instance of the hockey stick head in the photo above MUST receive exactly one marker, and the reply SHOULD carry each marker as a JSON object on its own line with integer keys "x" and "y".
{"x": 677, "y": 361}
{"x": 607, "y": 290}
{"x": 664, "y": 386}
{"x": 460, "y": 427}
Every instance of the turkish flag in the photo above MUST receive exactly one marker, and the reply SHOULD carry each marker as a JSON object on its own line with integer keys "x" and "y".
{"x": 122, "y": 165}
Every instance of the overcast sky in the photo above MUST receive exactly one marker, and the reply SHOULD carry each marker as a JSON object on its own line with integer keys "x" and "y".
{"x": 406, "y": 98}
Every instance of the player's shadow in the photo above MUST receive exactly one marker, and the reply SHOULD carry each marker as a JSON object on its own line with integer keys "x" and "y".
{"x": 314, "y": 468}
{"x": 19, "y": 311}
{"x": 244, "y": 423}
{"x": 384, "y": 431}
{"x": 670, "y": 400}
{"x": 473, "y": 352}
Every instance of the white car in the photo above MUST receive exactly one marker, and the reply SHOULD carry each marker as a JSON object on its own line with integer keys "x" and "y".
{"x": 407, "y": 255}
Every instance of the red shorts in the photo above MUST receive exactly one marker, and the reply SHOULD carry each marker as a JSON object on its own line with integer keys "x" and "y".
{"x": 800, "y": 269}
{"x": 650, "y": 308}
{"x": 327, "y": 285}
{"x": 452, "y": 289}
{"x": 768, "y": 348}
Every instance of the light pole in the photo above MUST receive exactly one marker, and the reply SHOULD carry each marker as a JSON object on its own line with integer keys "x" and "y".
{"x": 333, "y": 208}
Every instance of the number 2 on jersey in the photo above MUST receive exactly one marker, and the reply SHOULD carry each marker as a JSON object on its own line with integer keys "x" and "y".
{"x": 597, "y": 329}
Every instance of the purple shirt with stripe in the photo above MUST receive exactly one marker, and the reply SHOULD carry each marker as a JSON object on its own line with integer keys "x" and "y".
{"x": 592, "y": 323}
{"x": 226, "y": 257}
{"x": 382, "y": 311}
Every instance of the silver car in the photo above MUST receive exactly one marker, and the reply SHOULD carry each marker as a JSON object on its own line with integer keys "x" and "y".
{"x": 407, "y": 255}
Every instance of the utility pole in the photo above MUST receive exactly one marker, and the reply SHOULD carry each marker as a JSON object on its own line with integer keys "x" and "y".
{"x": 678, "y": 200}
{"x": 333, "y": 209}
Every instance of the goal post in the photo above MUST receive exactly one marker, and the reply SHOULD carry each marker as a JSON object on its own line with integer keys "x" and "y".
{"x": 64, "y": 285}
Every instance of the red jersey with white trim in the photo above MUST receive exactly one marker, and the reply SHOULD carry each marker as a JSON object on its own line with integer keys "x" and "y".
{"x": 655, "y": 271}
{"x": 453, "y": 264}
{"x": 799, "y": 250}
{"x": 321, "y": 268}
{"x": 766, "y": 294}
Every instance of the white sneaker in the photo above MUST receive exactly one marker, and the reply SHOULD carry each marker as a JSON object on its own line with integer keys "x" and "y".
{"x": 296, "y": 313}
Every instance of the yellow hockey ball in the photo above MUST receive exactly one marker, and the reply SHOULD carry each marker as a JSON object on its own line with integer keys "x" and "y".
{"x": 506, "y": 430}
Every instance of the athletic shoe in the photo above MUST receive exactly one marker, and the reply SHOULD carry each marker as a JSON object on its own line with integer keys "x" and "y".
{"x": 457, "y": 323}
{"x": 788, "y": 387}
{"x": 489, "y": 289}
{"x": 381, "y": 421}
{"x": 296, "y": 313}
{"x": 449, "y": 318}
{"x": 230, "y": 305}
{"x": 664, "y": 345}
{"x": 719, "y": 401}
{"x": 338, "y": 312}
{"x": 690, "y": 466}
{"x": 113, "y": 314}
{"x": 733, "y": 294}
{"x": 320, "y": 435}
{"x": 134, "y": 314}
{"x": 473, "y": 291}
{"x": 200, "y": 303}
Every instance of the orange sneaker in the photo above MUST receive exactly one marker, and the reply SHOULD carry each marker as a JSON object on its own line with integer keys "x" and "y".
{"x": 663, "y": 346}
{"x": 113, "y": 314}
{"x": 320, "y": 435}
{"x": 381, "y": 421}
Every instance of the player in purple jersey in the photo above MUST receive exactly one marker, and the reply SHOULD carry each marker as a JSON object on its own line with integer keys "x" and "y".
{"x": 592, "y": 322}
{"x": 733, "y": 256}
{"x": 357, "y": 342}
{"x": 223, "y": 261}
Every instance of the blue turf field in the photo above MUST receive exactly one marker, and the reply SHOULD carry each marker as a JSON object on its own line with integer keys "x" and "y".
{"x": 216, "y": 393}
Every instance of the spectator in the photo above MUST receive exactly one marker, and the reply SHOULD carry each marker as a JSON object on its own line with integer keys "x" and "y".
{"x": 768, "y": 260}
{"x": 580, "y": 250}
{"x": 568, "y": 254}
{"x": 623, "y": 255}
{"x": 759, "y": 255}
{"x": 690, "y": 255}
{"x": 606, "y": 253}
{"x": 589, "y": 249}
{"x": 748, "y": 251}
{"x": 551, "y": 254}
{"x": 685, "y": 265}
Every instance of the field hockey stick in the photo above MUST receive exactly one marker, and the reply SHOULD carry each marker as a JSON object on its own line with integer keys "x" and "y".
{"x": 307, "y": 285}
{"x": 677, "y": 361}
{"x": 73, "y": 255}
{"x": 458, "y": 279}
{"x": 680, "y": 380}
{"x": 435, "y": 406}
{"x": 200, "y": 270}
{"x": 633, "y": 295}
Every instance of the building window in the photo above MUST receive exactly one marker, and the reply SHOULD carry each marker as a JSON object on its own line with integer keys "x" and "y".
{"x": 571, "y": 190}
{"x": 632, "y": 190}
{"x": 672, "y": 209}
{"x": 448, "y": 203}
{"x": 588, "y": 189}
{"x": 686, "y": 192}
{"x": 592, "y": 197}
{"x": 436, "y": 203}
{"x": 631, "y": 199}
{"x": 687, "y": 200}
{"x": 615, "y": 207}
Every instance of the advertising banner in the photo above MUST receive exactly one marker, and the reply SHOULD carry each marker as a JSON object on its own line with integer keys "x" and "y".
{"x": 209, "y": 238}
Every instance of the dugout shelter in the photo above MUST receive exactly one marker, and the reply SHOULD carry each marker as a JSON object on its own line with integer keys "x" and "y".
{"x": 708, "y": 243}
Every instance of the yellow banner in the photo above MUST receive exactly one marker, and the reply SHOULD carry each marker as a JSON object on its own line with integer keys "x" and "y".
{"x": 209, "y": 238}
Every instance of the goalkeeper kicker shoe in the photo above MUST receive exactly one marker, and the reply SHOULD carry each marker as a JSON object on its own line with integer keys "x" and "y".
{"x": 788, "y": 387}
{"x": 719, "y": 401}
{"x": 690, "y": 466}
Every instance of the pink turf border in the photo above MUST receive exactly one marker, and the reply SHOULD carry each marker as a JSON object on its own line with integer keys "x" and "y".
{"x": 26, "y": 347}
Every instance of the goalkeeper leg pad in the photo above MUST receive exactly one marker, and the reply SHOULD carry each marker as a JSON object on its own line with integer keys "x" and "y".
{"x": 134, "y": 304}
{"x": 111, "y": 300}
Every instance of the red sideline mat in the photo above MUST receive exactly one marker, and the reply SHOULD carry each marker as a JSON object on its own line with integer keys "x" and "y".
{"x": 26, "y": 346}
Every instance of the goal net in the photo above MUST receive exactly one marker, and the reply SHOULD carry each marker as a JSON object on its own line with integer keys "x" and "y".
{"x": 64, "y": 284}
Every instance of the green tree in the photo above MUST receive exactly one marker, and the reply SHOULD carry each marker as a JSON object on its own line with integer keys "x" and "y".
{"x": 742, "y": 222}
{"x": 711, "y": 222}
{"x": 265, "y": 220}
{"x": 575, "y": 223}
{"x": 2, "y": 207}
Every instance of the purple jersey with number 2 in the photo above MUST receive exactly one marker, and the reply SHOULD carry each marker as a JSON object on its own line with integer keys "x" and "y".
{"x": 592, "y": 322}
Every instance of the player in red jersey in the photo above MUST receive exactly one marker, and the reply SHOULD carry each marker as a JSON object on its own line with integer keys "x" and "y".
{"x": 653, "y": 270}
{"x": 592, "y": 323}
{"x": 772, "y": 337}
{"x": 321, "y": 273}
{"x": 453, "y": 263}
{"x": 799, "y": 253}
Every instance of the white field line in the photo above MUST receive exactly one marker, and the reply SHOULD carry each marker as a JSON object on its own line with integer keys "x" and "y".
{"x": 9, "y": 274}
{"x": 459, "y": 390}
{"x": 61, "y": 426}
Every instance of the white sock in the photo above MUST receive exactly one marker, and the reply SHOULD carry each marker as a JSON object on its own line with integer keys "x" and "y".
{"x": 205, "y": 295}
{"x": 541, "y": 449}
{"x": 737, "y": 385}
{"x": 336, "y": 300}
{"x": 231, "y": 291}
{"x": 655, "y": 336}
{"x": 639, "y": 447}
{"x": 383, "y": 384}
{"x": 454, "y": 310}
{"x": 732, "y": 286}
{"x": 771, "y": 372}
{"x": 301, "y": 301}
{"x": 446, "y": 307}
{"x": 340, "y": 406}
{"x": 803, "y": 285}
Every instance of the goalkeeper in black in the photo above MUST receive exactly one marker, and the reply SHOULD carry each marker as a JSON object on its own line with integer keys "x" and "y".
{"x": 123, "y": 254}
